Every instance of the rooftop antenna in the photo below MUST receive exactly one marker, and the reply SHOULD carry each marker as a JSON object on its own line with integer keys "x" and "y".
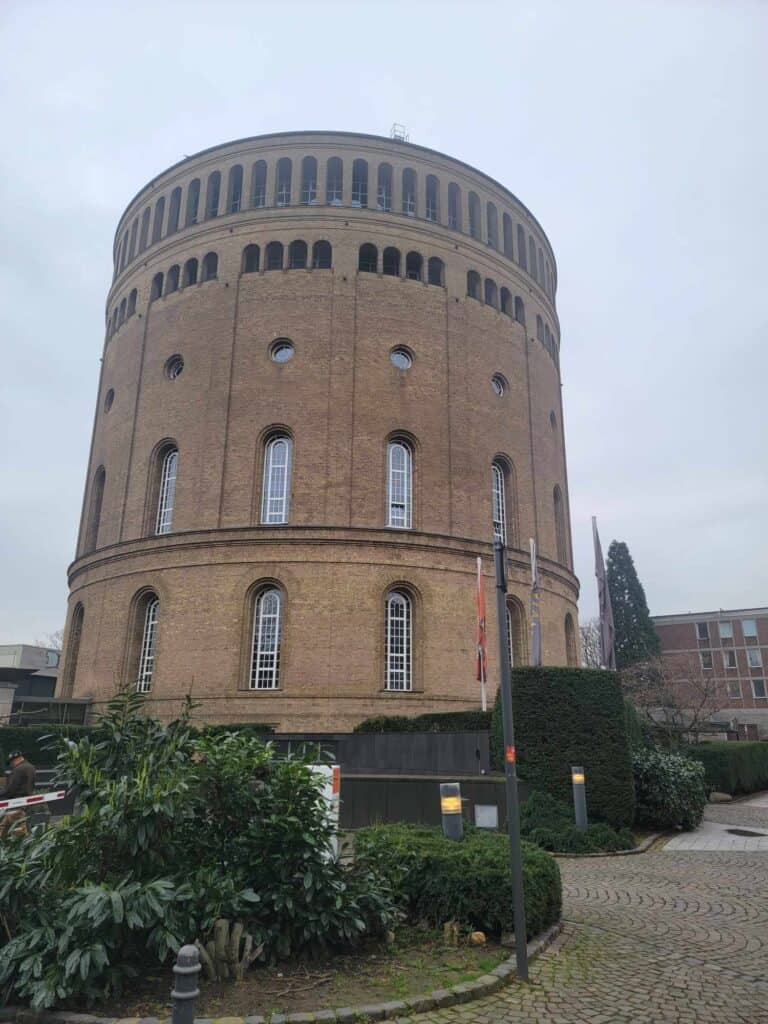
{"x": 399, "y": 133}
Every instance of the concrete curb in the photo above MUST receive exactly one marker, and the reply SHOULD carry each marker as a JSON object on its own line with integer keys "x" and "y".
{"x": 645, "y": 845}
{"x": 441, "y": 998}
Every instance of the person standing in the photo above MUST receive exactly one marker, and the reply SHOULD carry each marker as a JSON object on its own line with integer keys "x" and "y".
{"x": 21, "y": 782}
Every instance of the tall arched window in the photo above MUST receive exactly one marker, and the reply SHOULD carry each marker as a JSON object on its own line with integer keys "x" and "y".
{"x": 454, "y": 206}
{"x": 506, "y": 222}
{"x": 571, "y": 653}
{"x": 360, "y": 183}
{"x": 251, "y": 259}
{"x": 399, "y": 484}
{"x": 297, "y": 255}
{"x": 560, "y": 538}
{"x": 413, "y": 264}
{"x": 235, "y": 189}
{"x": 259, "y": 184}
{"x": 507, "y": 306}
{"x": 73, "y": 649}
{"x": 334, "y": 181}
{"x": 516, "y": 632}
{"x": 398, "y": 641}
{"x": 435, "y": 271}
{"x": 492, "y": 225}
{"x": 491, "y": 293}
{"x": 474, "y": 215}
{"x": 193, "y": 202}
{"x": 148, "y": 642}
{"x": 167, "y": 491}
{"x": 131, "y": 303}
{"x": 322, "y": 255}
{"x": 391, "y": 264}
{"x": 498, "y": 484}
{"x": 144, "y": 233}
{"x": 541, "y": 268}
{"x": 274, "y": 256}
{"x": 409, "y": 191}
{"x": 368, "y": 258}
{"x": 210, "y": 266}
{"x": 156, "y": 289}
{"x": 519, "y": 310}
{"x": 157, "y": 223}
{"x": 190, "y": 273}
{"x": 212, "y": 195}
{"x": 432, "y": 207}
{"x": 122, "y": 308}
{"x": 473, "y": 284}
{"x": 521, "y": 257}
{"x": 276, "y": 490}
{"x": 265, "y": 644}
{"x": 172, "y": 279}
{"x": 283, "y": 182}
{"x": 539, "y": 328}
{"x": 94, "y": 509}
{"x": 308, "y": 180}
{"x": 124, "y": 250}
{"x": 384, "y": 188}
{"x": 132, "y": 246}
{"x": 532, "y": 257}
{"x": 174, "y": 210}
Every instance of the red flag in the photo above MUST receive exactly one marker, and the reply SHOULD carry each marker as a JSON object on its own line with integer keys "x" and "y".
{"x": 482, "y": 638}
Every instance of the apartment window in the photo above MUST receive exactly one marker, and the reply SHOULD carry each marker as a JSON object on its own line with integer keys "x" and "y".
{"x": 360, "y": 183}
{"x": 277, "y": 481}
{"x": 308, "y": 180}
{"x": 726, "y": 630}
{"x": 212, "y": 195}
{"x": 758, "y": 688}
{"x": 706, "y": 659}
{"x": 702, "y": 631}
{"x": 431, "y": 207}
{"x": 174, "y": 211}
{"x": 334, "y": 181}
{"x": 94, "y": 511}
{"x": 283, "y": 182}
{"x": 399, "y": 484}
{"x": 560, "y": 541}
{"x": 147, "y": 652}
{"x": 73, "y": 648}
{"x": 384, "y": 188}
{"x": 265, "y": 647}
{"x": 499, "y": 503}
{"x": 398, "y": 641}
{"x": 409, "y": 192}
{"x": 729, "y": 659}
{"x": 754, "y": 658}
{"x": 259, "y": 184}
{"x": 235, "y": 189}
{"x": 734, "y": 689}
{"x": 167, "y": 496}
{"x": 193, "y": 202}
{"x": 749, "y": 629}
{"x": 454, "y": 206}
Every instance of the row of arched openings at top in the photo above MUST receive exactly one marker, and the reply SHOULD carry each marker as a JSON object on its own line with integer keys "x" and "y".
{"x": 391, "y": 264}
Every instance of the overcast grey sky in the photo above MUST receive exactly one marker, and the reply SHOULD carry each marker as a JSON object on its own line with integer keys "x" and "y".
{"x": 636, "y": 132}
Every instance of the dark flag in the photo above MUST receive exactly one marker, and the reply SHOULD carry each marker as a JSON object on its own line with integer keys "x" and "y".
{"x": 535, "y": 612}
{"x": 607, "y": 649}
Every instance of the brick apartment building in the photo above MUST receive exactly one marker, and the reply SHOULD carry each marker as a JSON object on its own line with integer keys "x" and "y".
{"x": 730, "y": 648}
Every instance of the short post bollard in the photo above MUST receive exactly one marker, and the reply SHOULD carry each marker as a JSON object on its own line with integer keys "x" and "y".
{"x": 185, "y": 990}
{"x": 579, "y": 797}
{"x": 450, "y": 808}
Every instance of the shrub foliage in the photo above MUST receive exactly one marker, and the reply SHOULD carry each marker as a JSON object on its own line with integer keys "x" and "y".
{"x": 565, "y": 717}
{"x": 550, "y": 825}
{"x": 439, "y": 880}
{"x": 733, "y": 767}
{"x": 670, "y": 789}
{"x": 448, "y": 721}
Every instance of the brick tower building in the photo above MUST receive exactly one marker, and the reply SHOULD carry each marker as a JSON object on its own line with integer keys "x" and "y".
{"x": 330, "y": 374}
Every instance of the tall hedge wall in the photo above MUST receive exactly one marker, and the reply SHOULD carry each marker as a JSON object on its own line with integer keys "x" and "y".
{"x": 565, "y": 717}
{"x": 441, "y": 721}
{"x": 736, "y": 767}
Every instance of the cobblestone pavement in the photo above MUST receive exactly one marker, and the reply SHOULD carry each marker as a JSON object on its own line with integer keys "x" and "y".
{"x": 679, "y": 938}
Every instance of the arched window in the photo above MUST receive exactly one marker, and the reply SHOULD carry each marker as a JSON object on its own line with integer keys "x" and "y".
{"x": 539, "y": 328}
{"x": 521, "y": 257}
{"x": 265, "y": 645}
{"x": 413, "y": 264}
{"x": 322, "y": 255}
{"x": 73, "y": 649}
{"x": 541, "y": 268}
{"x": 274, "y": 256}
{"x": 297, "y": 255}
{"x": 235, "y": 189}
{"x": 144, "y": 233}
{"x": 308, "y": 180}
{"x": 368, "y": 259}
{"x": 560, "y": 538}
{"x": 571, "y": 654}
{"x": 283, "y": 182}
{"x": 492, "y": 225}
{"x": 516, "y": 632}
{"x": 507, "y": 306}
{"x": 94, "y": 509}
{"x": 384, "y": 188}
{"x": 435, "y": 271}
{"x": 474, "y": 215}
{"x": 210, "y": 266}
{"x": 212, "y": 195}
{"x": 532, "y": 257}
{"x": 251, "y": 256}
{"x": 334, "y": 181}
{"x": 276, "y": 490}
{"x": 190, "y": 273}
{"x": 398, "y": 641}
{"x": 409, "y": 191}
{"x": 193, "y": 202}
{"x": 399, "y": 484}
{"x": 454, "y": 206}
{"x": 498, "y": 483}
{"x": 174, "y": 210}
{"x": 519, "y": 310}
{"x": 491, "y": 293}
{"x": 157, "y": 223}
{"x": 132, "y": 246}
{"x": 432, "y": 207}
{"x": 473, "y": 284}
{"x": 151, "y": 609}
{"x": 172, "y": 279}
{"x": 121, "y": 314}
{"x": 156, "y": 289}
{"x": 166, "y": 498}
{"x": 124, "y": 250}
{"x": 506, "y": 222}
{"x": 360, "y": 183}
{"x": 132, "y": 303}
{"x": 259, "y": 184}
{"x": 392, "y": 261}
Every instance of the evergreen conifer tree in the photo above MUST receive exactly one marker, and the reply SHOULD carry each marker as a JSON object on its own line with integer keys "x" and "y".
{"x": 635, "y": 638}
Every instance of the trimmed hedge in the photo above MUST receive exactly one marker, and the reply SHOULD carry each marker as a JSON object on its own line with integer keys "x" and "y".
{"x": 448, "y": 721}
{"x": 565, "y": 717}
{"x": 437, "y": 879}
{"x": 550, "y": 825}
{"x": 735, "y": 767}
{"x": 670, "y": 790}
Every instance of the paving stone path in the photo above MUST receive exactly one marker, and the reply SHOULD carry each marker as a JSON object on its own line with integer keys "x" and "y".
{"x": 672, "y": 937}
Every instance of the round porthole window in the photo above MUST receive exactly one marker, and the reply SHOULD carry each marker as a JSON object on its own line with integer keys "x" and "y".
{"x": 498, "y": 384}
{"x": 109, "y": 399}
{"x": 174, "y": 367}
{"x": 401, "y": 358}
{"x": 282, "y": 350}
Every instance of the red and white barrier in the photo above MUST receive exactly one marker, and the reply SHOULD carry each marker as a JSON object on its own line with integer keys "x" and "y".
{"x": 26, "y": 801}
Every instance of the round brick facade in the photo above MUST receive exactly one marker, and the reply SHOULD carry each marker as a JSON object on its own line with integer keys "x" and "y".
{"x": 477, "y": 304}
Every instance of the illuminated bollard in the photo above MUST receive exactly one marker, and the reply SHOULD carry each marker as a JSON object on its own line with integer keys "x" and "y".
{"x": 450, "y": 808}
{"x": 579, "y": 797}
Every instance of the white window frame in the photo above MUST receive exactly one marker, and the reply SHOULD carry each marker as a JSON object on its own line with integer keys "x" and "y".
{"x": 399, "y": 485}
{"x": 266, "y": 640}
{"x": 731, "y": 685}
{"x": 754, "y": 657}
{"x": 167, "y": 494}
{"x": 398, "y": 636}
{"x": 729, "y": 655}
{"x": 753, "y": 633}
{"x": 728, "y": 627}
{"x": 499, "y": 500}
{"x": 755, "y": 694}
{"x": 276, "y": 487}
{"x": 706, "y": 631}
{"x": 147, "y": 652}
{"x": 706, "y": 655}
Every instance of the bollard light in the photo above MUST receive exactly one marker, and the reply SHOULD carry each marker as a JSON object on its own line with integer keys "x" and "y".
{"x": 450, "y": 809}
{"x": 579, "y": 796}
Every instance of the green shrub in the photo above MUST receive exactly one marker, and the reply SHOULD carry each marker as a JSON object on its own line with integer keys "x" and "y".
{"x": 566, "y": 717}
{"x": 448, "y": 721}
{"x": 736, "y": 767}
{"x": 438, "y": 880}
{"x": 670, "y": 789}
{"x": 38, "y": 743}
{"x": 638, "y": 732}
{"x": 550, "y": 824}
{"x": 252, "y": 728}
